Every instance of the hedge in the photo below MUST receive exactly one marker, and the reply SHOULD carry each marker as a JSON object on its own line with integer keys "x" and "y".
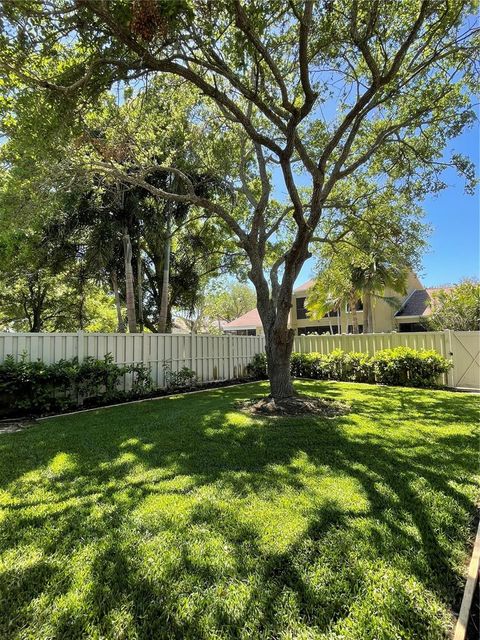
{"x": 37, "y": 388}
{"x": 401, "y": 366}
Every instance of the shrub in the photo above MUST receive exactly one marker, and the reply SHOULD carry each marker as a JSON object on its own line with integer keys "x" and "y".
{"x": 185, "y": 377}
{"x": 337, "y": 365}
{"x": 36, "y": 387}
{"x": 33, "y": 386}
{"x": 97, "y": 377}
{"x": 407, "y": 367}
{"x": 257, "y": 368}
{"x": 142, "y": 383}
{"x": 358, "y": 367}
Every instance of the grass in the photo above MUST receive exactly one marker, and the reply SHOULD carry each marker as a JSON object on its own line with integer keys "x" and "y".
{"x": 182, "y": 518}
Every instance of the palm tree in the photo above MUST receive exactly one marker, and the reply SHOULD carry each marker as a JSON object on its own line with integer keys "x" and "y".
{"x": 371, "y": 279}
{"x": 339, "y": 286}
{"x": 334, "y": 289}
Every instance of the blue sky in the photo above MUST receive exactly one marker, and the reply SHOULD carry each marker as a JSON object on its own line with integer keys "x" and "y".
{"x": 454, "y": 216}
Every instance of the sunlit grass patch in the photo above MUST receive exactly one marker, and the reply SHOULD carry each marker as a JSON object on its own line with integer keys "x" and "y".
{"x": 185, "y": 518}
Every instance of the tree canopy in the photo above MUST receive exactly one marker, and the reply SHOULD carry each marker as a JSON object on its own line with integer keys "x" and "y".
{"x": 95, "y": 218}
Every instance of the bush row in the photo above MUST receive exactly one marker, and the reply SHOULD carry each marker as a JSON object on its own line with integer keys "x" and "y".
{"x": 35, "y": 387}
{"x": 400, "y": 366}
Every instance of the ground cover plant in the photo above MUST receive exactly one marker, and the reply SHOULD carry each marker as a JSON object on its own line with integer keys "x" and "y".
{"x": 184, "y": 518}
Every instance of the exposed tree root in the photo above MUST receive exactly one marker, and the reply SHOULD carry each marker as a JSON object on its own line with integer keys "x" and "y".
{"x": 294, "y": 406}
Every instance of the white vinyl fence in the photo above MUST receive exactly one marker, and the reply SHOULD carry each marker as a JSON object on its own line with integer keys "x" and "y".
{"x": 211, "y": 357}
{"x": 226, "y": 357}
{"x": 462, "y": 347}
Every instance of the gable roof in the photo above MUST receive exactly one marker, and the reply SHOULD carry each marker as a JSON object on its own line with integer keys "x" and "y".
{"x": 419, "y": 302}
{"x": 250, "y": 319}
{"x": 416, "y": 304}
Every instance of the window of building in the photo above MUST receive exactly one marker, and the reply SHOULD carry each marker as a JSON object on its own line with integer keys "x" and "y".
{"x": 301, "y": 311}
{"x": 243, "y": 332}
{"x": 350, "y": 328}
{"x": 408, "y": 327}
{"x": 305, "y": 331}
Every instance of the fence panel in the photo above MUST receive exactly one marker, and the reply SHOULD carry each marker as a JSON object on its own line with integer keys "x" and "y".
{"x": 372, "y": 342}
{"x": 226, "y": 357}
{"x": 211, "y": 357}
{"x": 465, "y": 350}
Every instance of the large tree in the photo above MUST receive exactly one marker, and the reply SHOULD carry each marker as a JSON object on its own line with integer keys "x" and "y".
{"x": 322, "y": 95}
{"x": 152, "y": 252}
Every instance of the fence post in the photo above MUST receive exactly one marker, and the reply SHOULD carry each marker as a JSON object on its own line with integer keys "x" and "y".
{"x": 80, "y": 346}
{"x": 193, "y": 353}
{"x": 449, "y": 351}
{"x": 145, "y": 354}
{"x": 230, "y": 357}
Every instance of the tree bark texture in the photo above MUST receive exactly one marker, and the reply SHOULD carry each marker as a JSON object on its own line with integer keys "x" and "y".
{"x": 118, "y": 304}
{"x": 163, "y": 311}
{"x": 129, "y": 283}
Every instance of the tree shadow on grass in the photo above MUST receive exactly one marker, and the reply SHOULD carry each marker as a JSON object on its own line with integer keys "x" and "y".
{"x": 192, "y": 520}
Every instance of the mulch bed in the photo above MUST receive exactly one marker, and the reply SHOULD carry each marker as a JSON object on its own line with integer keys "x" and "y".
{"x": 294, "y": 406}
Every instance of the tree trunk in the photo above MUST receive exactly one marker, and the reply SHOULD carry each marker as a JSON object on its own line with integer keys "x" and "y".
{"x": 129, "y": 283}
{"x": 81, "y": 305}
{"x": 278, "y": 346}
{"x": 140, "y": 288}
{"x": 163, "y": 311}
{"x": 118, "y": 305}
{"x": 36, "y": 324}
{"x": 367, "y": 313}
{"x": 353, "y": 312}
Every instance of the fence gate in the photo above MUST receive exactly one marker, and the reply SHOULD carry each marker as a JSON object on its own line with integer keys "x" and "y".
{"x": 465, "y": 350}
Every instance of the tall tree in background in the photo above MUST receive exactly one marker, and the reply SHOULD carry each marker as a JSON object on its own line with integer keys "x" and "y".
{"x": 138, "y": 243}
{"x": 38, "y": 294}
{"x": 372, "y": 279}
{"x": 228, "y": 301}
{"x": 334, "y": 289}
{"x": 395, "y": 85}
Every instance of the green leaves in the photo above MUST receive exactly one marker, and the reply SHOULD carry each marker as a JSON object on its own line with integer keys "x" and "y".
{"x": 38, "y": 388}
{"x": 401, "y": 366}
{"x": 457, "y": 307}
{"x": 311, "y": 114}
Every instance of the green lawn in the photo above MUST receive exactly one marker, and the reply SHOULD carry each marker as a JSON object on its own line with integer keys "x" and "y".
{"x": 182, "y": 518}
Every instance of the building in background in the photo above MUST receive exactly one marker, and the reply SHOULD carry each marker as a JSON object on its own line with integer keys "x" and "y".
{"x": 410, "y": 314}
